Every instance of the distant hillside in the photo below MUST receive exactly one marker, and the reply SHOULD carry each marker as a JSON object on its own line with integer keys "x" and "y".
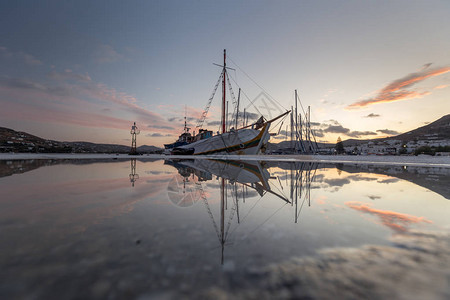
{"x": 148, "y": 149}
{"x": 11, "y": 140}
{"x": 15, "y": 141}
{"x": 438, "y": 130}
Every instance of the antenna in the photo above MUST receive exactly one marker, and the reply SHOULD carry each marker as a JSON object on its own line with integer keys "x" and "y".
{"x": 134, "y": 131}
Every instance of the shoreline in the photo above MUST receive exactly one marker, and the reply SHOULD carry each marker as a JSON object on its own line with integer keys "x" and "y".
{"x": 424, "y": 160}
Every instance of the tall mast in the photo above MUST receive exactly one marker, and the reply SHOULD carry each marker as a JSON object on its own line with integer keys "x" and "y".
{"x": 223, "y": 88}
{"x": 296, "y": 124}
{"x": 185, "y": 125}
{"x": 237, "y": 109}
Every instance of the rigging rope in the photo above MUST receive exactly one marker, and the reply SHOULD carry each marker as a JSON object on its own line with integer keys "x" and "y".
{"x": 250, "y": 101}
{"x": 248, "y": 76}
{"x": 205, "y": 111}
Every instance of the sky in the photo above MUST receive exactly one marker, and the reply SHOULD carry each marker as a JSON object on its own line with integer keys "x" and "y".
{"x": 86, "y": 70}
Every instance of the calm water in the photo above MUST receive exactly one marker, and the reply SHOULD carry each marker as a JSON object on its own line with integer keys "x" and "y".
{"x": 211, "y": 229}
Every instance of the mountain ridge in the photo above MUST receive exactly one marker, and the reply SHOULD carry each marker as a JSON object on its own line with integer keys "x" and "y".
{"x": 436, "y": 130}
{"x": 19, "y": 141}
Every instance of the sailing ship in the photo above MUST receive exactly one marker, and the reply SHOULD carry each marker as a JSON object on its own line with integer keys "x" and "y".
{"x": 250, "y": 139}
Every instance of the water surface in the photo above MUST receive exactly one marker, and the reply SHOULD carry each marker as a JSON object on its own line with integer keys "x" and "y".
{"x": 203, "y": 228}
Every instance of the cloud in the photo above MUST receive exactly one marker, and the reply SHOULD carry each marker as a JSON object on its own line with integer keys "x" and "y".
{"x": 426, "y": 66}
{"x": 181, "y": 119}
{"x": 20, "y": 111}
{"x": 213, "y": 123}
{"x": 5, "y": 53}
{"x": 340, "y": 182}
{"x": 30, "y": 59}
{"x": 397, "y": 89}
{"x": 372, "y": 115}
{"x": 22, "y": 56}
{"x": 68, "y": 75}
{"x": 394, "y": 220}
{"x": 318, "y": 133}
{"x": 156, "y": 134}
{"x": 82, "y": 97}
{"x": 161, "y": 127}
{"x": 21, "y": 83}
{"x": 106, "y": 54}
{"x": 336, "y": 129}
{"x": 279, "y": 137}
{"x": 388, "y": 131}
{"x": 357, "y": 134}
{"x": 361, "y": 178}
{"x": 442, "y": 86}
{"x": 389, "y": 180}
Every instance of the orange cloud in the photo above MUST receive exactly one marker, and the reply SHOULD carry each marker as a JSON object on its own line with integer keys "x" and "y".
{"x": 397, "y": 90}
{"x": 394, "y": 220}
{"x": 442, "y": 86}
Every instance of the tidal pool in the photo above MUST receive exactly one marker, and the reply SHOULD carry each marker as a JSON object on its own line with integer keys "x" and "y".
{"x": 155, "y": 229}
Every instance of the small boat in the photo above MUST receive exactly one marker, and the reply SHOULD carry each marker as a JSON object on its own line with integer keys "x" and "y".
{"x": 184, "y": 139}
{"x": 251, "y": 139}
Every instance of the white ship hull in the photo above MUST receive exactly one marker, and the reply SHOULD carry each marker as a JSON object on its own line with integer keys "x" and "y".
{"x": 244, "y": 141}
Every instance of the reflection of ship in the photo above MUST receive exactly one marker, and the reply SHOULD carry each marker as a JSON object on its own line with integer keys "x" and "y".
{"x": 183, "y": 188}
{"x": 235, "y": 179}
{"x": 250, "y": 139}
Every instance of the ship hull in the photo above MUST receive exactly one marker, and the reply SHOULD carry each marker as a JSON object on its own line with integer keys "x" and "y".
{"x": 245, "y": 141}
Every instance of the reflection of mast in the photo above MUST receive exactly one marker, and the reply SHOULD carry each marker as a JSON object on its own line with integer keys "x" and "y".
{"x": 300, "y": 180}
{"x": 249, "y": 175}
{"x": 222, "y": 216}
{"x": 133, "y": 175}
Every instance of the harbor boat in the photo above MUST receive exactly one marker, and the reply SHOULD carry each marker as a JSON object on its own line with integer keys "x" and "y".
{"x": 184, "y": 139}
{"x": 247, "y": 140}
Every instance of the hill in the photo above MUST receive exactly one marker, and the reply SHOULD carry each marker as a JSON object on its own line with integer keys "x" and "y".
{"x": 437, "y": 130}
{"x": 16, "y": 141}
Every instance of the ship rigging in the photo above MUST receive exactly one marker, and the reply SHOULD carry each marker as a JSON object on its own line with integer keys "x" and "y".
{"x": 249, "y": 139}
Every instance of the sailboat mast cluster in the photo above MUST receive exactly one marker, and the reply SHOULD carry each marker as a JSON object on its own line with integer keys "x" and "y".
{"x": 302, "y": 139}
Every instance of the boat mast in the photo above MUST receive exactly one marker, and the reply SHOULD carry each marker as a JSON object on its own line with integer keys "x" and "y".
{"x": 237, "y": 109}
{"x": 224, "y": 88}
{"x": 185, "y": 125}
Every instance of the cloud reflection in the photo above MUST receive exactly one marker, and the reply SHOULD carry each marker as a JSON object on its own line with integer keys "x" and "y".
{"x": 394, "y": 220}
